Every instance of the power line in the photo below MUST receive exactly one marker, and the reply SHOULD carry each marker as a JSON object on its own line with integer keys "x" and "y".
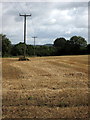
{"x": 27, "y": 7}
{"x": 17, "y": 7}
{"x": 33, "y": 27}
{"x": 21, "y": 7}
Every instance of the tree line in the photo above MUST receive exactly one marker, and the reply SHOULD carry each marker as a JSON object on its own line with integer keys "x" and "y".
{"x": 77, "y": 45}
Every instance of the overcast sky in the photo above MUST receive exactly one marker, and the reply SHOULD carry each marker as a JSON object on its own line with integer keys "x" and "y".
{"x": 49, "y": 20}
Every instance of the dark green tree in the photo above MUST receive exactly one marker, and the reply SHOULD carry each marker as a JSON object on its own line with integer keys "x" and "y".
{"x": 78, "y": 45}
{"x": 6, "y": 46}
{"x": 30, "y": 50}
{"x": 78, "y": 40}
{"x": 88, "y": 48}
{"x": 60, "y": 42}
{"x": 18, "y": 49}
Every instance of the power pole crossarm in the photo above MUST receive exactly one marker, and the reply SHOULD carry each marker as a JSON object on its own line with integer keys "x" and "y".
{"x": 25, "y": 15}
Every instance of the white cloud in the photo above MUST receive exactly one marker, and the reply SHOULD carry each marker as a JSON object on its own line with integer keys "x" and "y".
{"x": 44, "y": 0}
{"x": 48, "y": 20}
{"x": 53, "y": 20}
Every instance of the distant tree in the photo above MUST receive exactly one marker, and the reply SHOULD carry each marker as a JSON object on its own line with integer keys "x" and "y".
{"x": 78, "y": 45}
{"x": 30, "y": 50}
{"x": 68, "y": 48}
{"x": 88, "y": 48}
{"x": 6, "y": 46}
{"x": 52, "y": 50}
{"x": 45, "y": 50}
{"x": 42, "y": 50}
{"x": 60, "y": 42}
{"x": 78, "y": 40}
{"x": 18, "y": 49}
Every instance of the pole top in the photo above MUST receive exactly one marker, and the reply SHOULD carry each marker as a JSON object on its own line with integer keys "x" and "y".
{"x": 34, "y": 37}
{"x": 24, "y": 15}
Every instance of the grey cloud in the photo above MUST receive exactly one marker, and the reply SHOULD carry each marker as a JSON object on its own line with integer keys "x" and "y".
{"x": 48, "y": 20}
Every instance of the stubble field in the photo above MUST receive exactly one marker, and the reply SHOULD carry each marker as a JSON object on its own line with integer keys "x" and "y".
{"x": 45, "y": 87}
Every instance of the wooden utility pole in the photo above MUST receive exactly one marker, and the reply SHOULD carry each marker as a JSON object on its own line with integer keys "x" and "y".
{"x": 25, "y": 15}
{"x": 34, "y": 44}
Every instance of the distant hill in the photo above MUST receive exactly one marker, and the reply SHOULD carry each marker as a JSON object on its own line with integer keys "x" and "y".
{"x": 48, "y": 44}
{"x": 38, "y": 45}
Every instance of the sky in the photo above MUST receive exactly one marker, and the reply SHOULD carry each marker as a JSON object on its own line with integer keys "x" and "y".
{"x": 48, "y": 21}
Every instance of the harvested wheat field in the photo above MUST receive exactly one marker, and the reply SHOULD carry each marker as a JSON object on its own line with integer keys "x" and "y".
{"x": 45, "y": 87}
